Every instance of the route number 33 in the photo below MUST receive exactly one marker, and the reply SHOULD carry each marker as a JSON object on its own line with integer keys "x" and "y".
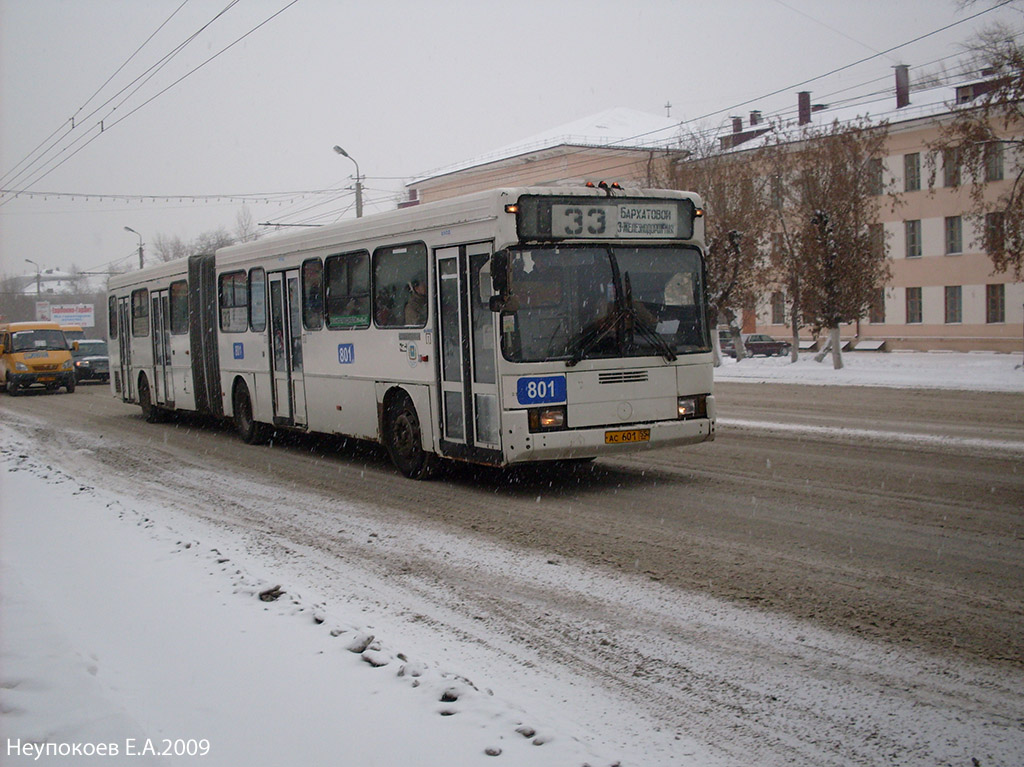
{"x": 576, "y": 219}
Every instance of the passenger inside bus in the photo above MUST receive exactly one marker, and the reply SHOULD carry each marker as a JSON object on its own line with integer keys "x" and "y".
{"x": 416, "y": 304}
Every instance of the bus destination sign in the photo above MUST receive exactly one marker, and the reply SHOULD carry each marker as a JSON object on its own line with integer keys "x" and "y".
{"x": 595, "y": 218}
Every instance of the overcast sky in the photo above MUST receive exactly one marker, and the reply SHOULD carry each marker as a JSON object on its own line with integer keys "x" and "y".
{"x": 405, "y": 87}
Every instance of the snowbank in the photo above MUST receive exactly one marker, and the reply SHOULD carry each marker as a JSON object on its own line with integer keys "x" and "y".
{"x": 975, "y": 371}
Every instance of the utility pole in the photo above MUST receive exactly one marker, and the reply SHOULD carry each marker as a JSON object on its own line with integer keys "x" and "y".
{"x": 129, "y": 229}
{"x": 359, "y": 182}
{"x": 39, "y": 289}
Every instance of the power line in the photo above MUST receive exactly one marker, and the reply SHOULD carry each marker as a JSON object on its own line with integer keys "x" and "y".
{"x": 157, "y": 95}
{"x": 146, "y": 76}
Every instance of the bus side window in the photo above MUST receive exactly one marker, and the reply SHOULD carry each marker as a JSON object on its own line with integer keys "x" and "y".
{"x": 112, "y": 317}
{"x": 140, "y": 312}
{"x": 400, "y": 281}
{"x": 257, "y": 300}
{"x": 313, "y": 294}
{"x": 234, "y": 302}
{"x": 179, "y": 307}
{"x": 347, "y": 284}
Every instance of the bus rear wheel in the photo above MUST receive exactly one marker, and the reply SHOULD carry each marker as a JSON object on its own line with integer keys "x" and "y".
{"x": 249, "y": 429}
{"x": 403, "y": 439}
{"x": 150, "y": 412}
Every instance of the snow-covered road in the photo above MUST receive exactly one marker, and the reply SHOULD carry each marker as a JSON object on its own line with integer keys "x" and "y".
{"x": 132, "y": 616}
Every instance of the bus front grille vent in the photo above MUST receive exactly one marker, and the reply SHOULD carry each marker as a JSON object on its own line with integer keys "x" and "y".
{"x": 622, "y": 376}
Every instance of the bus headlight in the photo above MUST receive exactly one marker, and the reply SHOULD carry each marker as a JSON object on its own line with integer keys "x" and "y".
{"x": 547, "y": 418}
{"x": 67, "y": 365}
{"x": 21, "y": 366}
{"x": 692, "y": 407}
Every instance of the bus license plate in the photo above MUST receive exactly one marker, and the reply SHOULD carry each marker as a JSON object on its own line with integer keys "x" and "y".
{"x": 627, "y": 436}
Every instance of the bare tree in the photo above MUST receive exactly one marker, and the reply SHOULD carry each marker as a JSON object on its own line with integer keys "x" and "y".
{"x": 986, "y": 140}
{"x": 246, "y": 229}
{"x": 172, "y": 248}
{"x": 169, "y": 248}
{"x": 208, "y": 242}
{"x": 837, "y": 261}
{"x": 736, "y": 227}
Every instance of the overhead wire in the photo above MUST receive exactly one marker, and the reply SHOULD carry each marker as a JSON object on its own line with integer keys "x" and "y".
{"x": 146, "y": 76}
{"x": 266, "y": 21}
{"x": 4, "y": 177}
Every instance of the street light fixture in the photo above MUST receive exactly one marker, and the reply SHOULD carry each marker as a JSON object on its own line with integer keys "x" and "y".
{"x": 129, "y": 229}
{"x": 359, "y": 183}
{"x": 38, "y": 279}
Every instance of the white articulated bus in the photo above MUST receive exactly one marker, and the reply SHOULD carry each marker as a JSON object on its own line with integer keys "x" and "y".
{"x": 509, "y": 326}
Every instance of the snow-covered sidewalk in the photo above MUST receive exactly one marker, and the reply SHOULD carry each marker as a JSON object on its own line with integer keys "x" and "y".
{"x": 976, "y": 371}
{"x": 125, "y": 643}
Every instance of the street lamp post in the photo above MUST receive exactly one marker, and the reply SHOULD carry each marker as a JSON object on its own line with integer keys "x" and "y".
{"x": 38, "y": 279}
{"x": 129, "y": 229}
{"x": 359, "y": 182}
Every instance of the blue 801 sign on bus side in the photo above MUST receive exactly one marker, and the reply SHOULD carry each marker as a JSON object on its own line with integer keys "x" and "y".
{"x": 540, "y": 390}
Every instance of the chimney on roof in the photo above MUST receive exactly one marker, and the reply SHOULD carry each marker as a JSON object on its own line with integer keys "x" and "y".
{"x": 803, "y": 102}
{"x": 737, "y": 125}
{"x": 755, "y": 117}
{"x": 902, "y": 85}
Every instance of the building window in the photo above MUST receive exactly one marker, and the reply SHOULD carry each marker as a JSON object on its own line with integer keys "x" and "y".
{"x": 995, "y": 303}
{"x": 778, "y": 308}
{"x": 876, "y": 238}
{"x": 914, "y": 307}
{"x": 313, "y": 294}
{"x": 876, "y": 184}
{"x": 954, "y": 304}
{"x": 994, "y": 161}
{"x": 951, "y": 167}
{"x": 912, "y": 172}
{"x": 954, "y": 235}
{"x": 995, "y": 233}
{"x": 877, "y": 313}
{"x": 913, "y": 230}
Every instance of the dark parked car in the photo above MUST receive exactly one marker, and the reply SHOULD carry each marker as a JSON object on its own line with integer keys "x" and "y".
{"x": 759, "y": 343}
{"x": 725, "y": 343}
{"x": 91, "y": 361}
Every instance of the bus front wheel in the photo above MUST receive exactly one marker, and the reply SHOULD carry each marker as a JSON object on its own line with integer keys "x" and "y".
{"x": 403, "y": 439}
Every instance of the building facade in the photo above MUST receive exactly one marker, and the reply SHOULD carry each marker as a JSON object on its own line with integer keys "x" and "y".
{"x": 944, "y": 292}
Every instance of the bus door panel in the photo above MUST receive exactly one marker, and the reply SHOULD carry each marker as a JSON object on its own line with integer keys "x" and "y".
{"x": 124, "y": 348}
{"x": 163, "y": 379}
{"x": 486, "y": 413}
{"x": 286, "y": 348}
{"x": 450, "y": 322}
{"x": 468, "y": 390}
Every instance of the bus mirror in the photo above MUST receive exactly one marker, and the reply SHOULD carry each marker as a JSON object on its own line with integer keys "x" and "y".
{"x": 499, "y": 273}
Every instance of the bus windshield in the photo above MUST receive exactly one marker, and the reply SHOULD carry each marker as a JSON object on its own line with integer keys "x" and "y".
{"x": 584, "y": 302}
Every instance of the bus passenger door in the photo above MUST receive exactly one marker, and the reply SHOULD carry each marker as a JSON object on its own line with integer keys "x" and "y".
{"x": 289, "y": 388}
{"x": 163, "y": 380}
{"x": 468, "y": 385}
{"x": 124, "y": 347}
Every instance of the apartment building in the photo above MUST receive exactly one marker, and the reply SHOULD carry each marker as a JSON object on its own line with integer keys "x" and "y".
{"x": 944, "y": 292}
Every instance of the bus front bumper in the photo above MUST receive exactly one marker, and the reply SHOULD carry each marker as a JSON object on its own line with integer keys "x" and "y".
{"x": 608, "y": 440}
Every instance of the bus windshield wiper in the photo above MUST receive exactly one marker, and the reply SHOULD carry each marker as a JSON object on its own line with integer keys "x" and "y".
{"x": 643, "y": 328}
